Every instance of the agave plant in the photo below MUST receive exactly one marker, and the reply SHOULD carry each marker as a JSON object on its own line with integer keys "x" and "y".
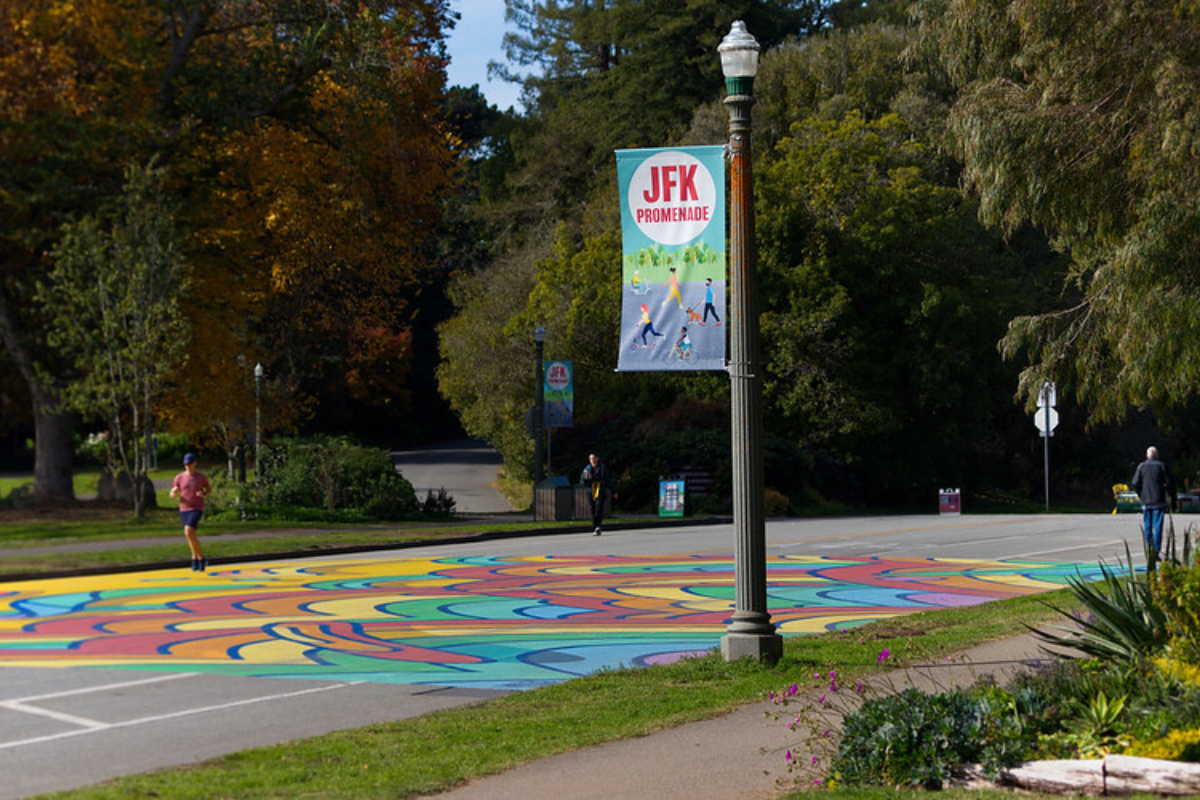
{"x": 1123, "y": 622}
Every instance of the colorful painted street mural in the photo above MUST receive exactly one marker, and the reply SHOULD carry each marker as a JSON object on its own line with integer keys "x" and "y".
{"x": 497, "y": 623}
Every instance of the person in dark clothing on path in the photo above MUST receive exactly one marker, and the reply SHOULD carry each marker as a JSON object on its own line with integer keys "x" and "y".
{"x": 1152, "y": 481}
{"x": 595, "y": 478}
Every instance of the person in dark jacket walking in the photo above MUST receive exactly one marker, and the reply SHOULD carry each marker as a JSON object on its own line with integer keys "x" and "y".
{"x": 1152, "y": 481}
{"x": 595, "y": 478}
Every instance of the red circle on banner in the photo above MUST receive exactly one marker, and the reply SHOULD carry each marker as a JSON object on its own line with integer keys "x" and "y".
{"x": 558, "y": 376}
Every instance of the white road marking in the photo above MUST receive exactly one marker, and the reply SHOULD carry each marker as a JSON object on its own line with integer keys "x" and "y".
{"x": 91, "y": 726}
{"x": 101, "y": 688}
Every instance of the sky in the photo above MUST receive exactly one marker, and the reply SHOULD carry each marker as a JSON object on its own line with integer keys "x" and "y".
{"x": 476, "y": 40}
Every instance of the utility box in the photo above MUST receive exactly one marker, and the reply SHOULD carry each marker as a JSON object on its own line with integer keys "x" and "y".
{"x": 950, "y": 501}
{"x": 552, "y": 499}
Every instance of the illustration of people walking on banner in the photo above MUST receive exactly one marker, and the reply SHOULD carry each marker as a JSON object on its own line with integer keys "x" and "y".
{"x": 673, "y": 258}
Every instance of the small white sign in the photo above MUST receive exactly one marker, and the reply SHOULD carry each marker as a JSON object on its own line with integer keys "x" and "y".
{"x": 1040, "y": 419}
{"x": 1048, "y": 395}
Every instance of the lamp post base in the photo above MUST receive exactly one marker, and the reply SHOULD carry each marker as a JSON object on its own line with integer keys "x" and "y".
{"x": 767, "y": 647}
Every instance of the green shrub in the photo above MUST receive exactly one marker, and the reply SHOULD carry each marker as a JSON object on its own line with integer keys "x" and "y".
{"x": 915, "y": 739}
{"x": 1177, "y": 589}
{"x": 336, "y": 476}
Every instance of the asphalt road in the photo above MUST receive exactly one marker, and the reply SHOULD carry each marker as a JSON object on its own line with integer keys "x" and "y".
{"x": 67, "y": 727}
{"x": 467, "y": 470}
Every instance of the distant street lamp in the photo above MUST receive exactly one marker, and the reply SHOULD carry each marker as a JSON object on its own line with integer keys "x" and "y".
{"x": 258, "y": 376}
{"x": 751, "y": 632}
{"x": 539, "y": 412}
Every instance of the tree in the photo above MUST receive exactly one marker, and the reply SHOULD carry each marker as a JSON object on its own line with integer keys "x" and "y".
{"x": 882, "y": 303}
{"x": 306, "y": 141}
{"x": 606, "y": 75}
{"x": 617, "y": 74}
{"x": 113, "y": 301}
{"x": 1083, "y": 119}
{"x": 59, "y": 65}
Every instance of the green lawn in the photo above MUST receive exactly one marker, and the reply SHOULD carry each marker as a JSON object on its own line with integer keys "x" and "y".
{"x": 85, "y": 481}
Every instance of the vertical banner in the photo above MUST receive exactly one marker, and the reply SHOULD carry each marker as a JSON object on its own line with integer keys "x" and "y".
{"x": 673, "y": 258}
{"x": 559, "y": 394}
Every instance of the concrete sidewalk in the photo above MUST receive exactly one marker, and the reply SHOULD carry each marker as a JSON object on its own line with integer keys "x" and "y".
{"x": 739, "y": 756}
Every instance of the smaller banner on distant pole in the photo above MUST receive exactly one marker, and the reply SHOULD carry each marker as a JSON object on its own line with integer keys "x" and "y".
{"x": 673, "y": 258}
{"x": 560, "y": 394}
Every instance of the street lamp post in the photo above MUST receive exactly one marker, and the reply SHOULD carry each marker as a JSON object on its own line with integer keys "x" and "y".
{"x": 539, "y": 413}
{"x": 258, "y": 376}
{"x": 751, "y": 632}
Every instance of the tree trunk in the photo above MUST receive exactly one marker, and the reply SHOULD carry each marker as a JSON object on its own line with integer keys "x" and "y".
{"x": 54, "y": 449}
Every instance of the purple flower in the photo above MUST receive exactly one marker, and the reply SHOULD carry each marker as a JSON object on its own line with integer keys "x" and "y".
{"x": 788, "y": 756}
{"x": 793, "y": 690}
{"x": 814, "y": 761}
{"x": 860, "y": 687}
{"x": 822, "y": 700}
{"x": 883, "y": 656}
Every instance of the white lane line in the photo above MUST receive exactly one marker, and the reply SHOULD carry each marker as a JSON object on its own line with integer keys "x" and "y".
{"x": 104, "y": 687}
{"x": 70, "y": 719}
{"x": 94, "y": 727}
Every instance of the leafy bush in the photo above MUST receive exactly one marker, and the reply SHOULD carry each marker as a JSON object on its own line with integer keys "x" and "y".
{"x": 229, "y": 499}
{"x": 1176, "y": 587}
{"x": 1137, "y": 690}
{"x": 336, "y": 476}
{"x": 917, "y": 739}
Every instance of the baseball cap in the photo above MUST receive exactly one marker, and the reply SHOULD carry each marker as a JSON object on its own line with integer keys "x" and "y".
{"x": 188, "y": 458}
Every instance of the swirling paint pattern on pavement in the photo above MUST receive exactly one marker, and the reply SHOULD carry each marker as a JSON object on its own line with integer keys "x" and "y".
{"x": 498, "y": 623}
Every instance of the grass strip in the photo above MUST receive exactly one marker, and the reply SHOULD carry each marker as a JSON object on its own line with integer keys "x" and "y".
{"x": 438, "y": 751}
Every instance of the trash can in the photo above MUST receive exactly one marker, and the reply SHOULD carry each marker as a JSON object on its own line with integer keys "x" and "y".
{"x": 583, "y": 503}
{"x": 552, "y": 499}
{"x": 950, "y": 501}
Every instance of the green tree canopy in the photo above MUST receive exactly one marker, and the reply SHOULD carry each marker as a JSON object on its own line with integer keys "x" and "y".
{"x": 1084, "y": 119}
{"x": 883, "y": 299}
{"x": 308, "y": 143}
